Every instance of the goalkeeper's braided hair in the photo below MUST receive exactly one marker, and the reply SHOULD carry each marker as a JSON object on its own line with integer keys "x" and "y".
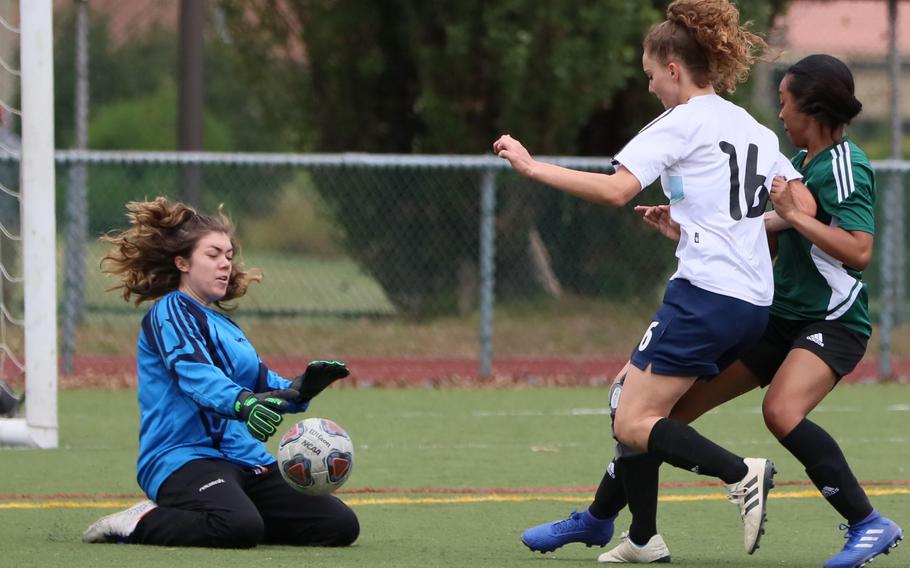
{"x": 707, "y": 37}
{"x": 143, "y": 255}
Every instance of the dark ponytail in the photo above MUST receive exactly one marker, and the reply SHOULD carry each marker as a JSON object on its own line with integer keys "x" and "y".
{"x": 822, "y": 87}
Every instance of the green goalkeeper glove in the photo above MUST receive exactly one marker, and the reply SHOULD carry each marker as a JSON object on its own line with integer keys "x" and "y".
{"x": 317, "y": 376}
{"x": 262, "y": 412}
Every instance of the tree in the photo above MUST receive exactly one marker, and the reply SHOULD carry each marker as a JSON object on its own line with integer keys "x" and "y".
{"x": 405, "y": 76}
{"x": 142, "y": 68}
{"x": 134, "y": 107}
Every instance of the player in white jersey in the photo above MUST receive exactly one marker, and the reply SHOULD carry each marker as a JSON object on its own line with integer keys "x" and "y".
{"x": 716, "y": 164}
{"x": 818, "y": 328}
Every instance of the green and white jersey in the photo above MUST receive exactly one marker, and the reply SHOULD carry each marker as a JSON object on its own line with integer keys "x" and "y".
{"x": 809, "y": 283}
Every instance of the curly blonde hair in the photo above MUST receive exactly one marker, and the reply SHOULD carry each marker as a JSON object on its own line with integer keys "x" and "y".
{"x": 143, "y": 255}
{"x": 707, "y": 37}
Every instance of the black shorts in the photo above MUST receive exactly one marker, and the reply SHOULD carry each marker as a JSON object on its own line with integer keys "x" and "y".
{"x": 219, "y": 504}
{"x": 837, "y": 345}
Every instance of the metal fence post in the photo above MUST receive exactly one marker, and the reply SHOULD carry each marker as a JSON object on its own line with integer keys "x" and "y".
{"x": 487, "y": 269}
{"x": 890, "y": 235}
{"x": 897, "y": 137}
{"x": 74, "y": 261}
{"x": 900, "y": 252}
{"x": 76, "y": 230}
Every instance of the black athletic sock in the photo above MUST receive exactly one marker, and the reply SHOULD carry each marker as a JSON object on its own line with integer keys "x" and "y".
{"x": 680, "y": 445}
{"x": 828, "y": 469}
{"x": 611, "y": 496}
{"x": 640, "y": 481}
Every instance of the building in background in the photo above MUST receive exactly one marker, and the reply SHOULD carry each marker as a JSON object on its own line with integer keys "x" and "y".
{"x": 131, "y": 18}
{"x": 856, "y": 31}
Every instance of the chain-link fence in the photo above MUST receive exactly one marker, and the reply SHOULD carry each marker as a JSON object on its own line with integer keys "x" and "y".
{"x": 378, "y": 255}
{"x": 401, "y": 256}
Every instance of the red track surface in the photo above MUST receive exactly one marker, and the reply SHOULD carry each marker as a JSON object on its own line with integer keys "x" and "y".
{"x": 393, "y": 371}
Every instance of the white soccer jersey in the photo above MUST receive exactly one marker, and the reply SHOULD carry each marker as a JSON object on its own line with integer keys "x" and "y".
{"x": 715, "y": 163}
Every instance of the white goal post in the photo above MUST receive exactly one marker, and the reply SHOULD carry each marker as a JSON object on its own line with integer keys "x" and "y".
{"x": 38, "y": 429}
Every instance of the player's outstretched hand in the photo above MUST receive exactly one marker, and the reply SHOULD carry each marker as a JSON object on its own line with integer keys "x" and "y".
{"x": 262, "y": 412}
{"x": 317, "y": 376}
{"x": 658, "y": 216}
{"x": 512, "y": 150}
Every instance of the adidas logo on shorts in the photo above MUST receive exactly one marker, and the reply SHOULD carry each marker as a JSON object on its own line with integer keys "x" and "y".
{"x": 817, "y": 339}
{"x": 829, "y": 491}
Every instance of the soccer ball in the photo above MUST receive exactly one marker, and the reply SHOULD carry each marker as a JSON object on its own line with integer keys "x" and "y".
{"x": 315, "y": 456}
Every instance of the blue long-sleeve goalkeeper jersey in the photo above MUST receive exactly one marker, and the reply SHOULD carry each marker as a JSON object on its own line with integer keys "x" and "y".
{"x": 193, "y": 363}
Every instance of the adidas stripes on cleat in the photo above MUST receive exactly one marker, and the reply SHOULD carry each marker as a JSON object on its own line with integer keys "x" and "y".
{"x": 751, "y": 495}
{"x": 866, "y": 539}
{"x": 578, "y": 527}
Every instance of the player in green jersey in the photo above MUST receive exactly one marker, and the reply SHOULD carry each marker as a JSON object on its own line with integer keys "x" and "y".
{"x": 819, "y": 324}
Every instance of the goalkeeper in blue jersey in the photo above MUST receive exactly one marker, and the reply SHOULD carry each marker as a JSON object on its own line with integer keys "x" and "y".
{"x": 207, "y": 403}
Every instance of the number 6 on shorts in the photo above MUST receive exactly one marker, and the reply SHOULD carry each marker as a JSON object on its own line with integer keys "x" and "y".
{"x": 647, "y": 337}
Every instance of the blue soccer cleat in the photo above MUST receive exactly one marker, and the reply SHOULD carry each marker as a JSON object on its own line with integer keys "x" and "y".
{"x": 579, "y": 527}
{"x": 866, "y": 539}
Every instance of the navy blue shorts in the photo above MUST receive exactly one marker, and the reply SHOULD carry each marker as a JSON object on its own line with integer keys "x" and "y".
{"x": 697, "y": 333}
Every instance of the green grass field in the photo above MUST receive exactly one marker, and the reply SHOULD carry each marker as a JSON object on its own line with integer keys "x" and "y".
{"x": 418, "y": 446}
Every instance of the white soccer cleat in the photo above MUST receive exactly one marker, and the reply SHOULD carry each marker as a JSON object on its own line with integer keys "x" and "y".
{"x": 117, "y": 527}
{"x": 654, "y": 552}
{"x": 751, "y": 494}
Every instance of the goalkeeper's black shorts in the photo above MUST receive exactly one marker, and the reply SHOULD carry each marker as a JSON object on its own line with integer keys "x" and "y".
{"x": 219, "y": 504}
